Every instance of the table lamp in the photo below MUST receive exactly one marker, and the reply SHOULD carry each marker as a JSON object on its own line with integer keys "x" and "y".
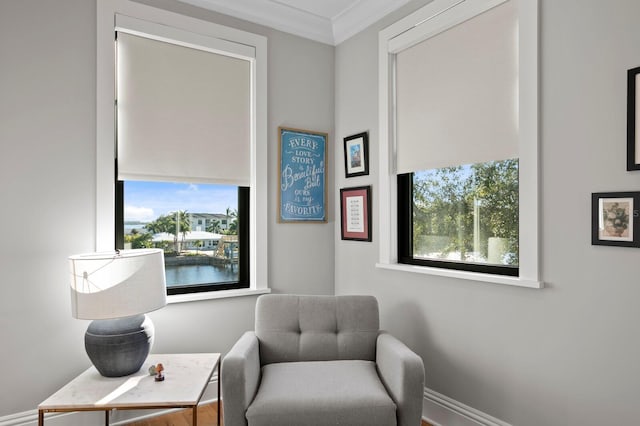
{"x": 116, "y": 289}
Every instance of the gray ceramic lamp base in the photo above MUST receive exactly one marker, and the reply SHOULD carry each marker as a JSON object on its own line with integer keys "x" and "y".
{"x": 118, "y": 347}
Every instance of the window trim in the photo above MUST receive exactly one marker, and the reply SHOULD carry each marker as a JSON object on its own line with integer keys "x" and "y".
{"x": 105, "y": 129}
{"x": 408, "y": 31}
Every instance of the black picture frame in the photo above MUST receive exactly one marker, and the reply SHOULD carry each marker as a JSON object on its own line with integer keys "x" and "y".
{"x": 356, "y": 155}
{"x": 614, "y": 219}
{"x": 355, "y": 213}
{"x": 633, "y": 119}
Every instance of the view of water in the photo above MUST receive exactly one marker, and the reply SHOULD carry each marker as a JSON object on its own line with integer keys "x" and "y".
{"x": 199, "y": 274}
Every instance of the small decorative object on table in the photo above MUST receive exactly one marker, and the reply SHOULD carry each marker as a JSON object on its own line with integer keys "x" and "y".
{"x": 156, "y": 370}
{"x": 159, "y": 370}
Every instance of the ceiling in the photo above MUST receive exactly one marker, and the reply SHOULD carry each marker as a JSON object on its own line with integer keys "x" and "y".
{"x": 326, "y": 21}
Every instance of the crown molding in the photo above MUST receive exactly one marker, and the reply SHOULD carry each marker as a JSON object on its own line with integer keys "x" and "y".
{"x": 301, "y": 23}
{"x": 274, "y": 15}
{"x": 360, "y": 16}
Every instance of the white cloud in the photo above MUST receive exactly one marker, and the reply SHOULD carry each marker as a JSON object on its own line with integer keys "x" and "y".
{"x": 142, "y": 214}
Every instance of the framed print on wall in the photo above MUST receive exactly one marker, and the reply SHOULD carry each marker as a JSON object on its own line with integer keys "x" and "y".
{"x": 302, "y": 196}
{"x": 355, "y": 213}
{"x": 633, "y": 119}
{"x": 614, "y": 219}
{"x": 356, "y": 155}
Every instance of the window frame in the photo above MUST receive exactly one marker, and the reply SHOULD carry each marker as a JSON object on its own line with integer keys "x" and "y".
{"x": 425, "y": 22}
{"x": 106, "y": 136}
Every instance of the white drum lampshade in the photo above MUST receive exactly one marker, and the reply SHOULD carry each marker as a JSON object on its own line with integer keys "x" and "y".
{"x": 117, "y": 284}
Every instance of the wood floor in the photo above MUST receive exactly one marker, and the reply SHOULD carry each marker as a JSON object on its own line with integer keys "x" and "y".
{"x": 207, "y": 414}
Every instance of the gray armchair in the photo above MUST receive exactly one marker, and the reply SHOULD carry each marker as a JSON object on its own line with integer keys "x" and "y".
{"x": 320, "y": 360}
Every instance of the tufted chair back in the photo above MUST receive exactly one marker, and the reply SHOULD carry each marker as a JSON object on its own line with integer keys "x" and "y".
{"x": 316, "y": 328}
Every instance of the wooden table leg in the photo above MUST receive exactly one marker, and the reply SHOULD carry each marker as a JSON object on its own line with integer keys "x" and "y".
{"x": 40, "y": 418}
{"x": 194, "y": 420}
{"x": 106, "y": 417}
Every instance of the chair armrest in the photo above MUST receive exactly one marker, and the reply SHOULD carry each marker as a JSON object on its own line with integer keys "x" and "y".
{"x": 402, "y": 372}
{"x": 240, "y": 377}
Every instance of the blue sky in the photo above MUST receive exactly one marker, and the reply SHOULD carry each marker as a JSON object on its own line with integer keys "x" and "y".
{"x": 145, "y": 201}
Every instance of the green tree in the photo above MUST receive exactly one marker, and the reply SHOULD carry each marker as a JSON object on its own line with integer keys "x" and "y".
{"x": 215, "y": 227}
{"x": 164, "y": 223}
{"x": 174, "y": 223}
{"x": 441, "y": 209}
{"x": 139, "y": 239}
{"x": 233, "y": 227}
{"x": 447, "y": 199}
{"x": 496, "y": 184}
{"x": 232, "y": 221}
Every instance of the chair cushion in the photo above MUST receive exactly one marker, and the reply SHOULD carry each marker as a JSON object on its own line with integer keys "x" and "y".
{"x": 294, "y": 328}
{"x": 320, "y": 393}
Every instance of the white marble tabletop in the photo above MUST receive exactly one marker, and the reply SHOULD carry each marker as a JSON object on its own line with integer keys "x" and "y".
{"x": 186, "y": 377}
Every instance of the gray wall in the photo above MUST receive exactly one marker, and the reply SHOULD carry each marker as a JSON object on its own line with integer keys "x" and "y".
{"x": 564, "y": 355}
{"x": 47, "y": 188}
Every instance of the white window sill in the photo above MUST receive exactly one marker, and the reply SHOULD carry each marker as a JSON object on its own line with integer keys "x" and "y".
{"x": 222, "y": 294}
{"x": 464, "y": 275}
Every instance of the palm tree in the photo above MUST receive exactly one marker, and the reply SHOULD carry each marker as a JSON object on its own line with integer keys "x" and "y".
{"x": 214, "y": 227}
{"x": 173, "y": 223}
{"x": 231, "y": 226}
{"x": 164, "y": 223}
{"x": 183, "y": 225}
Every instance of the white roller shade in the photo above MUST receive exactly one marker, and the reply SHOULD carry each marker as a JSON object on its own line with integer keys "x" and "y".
{"x": 183, "y": 114}
{"x": 456, "y": 94}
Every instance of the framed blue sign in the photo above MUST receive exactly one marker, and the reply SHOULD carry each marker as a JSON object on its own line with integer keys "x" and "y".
{"x": 303, "y": 178}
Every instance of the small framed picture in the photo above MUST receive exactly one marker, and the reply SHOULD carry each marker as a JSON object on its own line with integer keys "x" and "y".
{"x": 355, "y": 213}
{"x": 633, "y": 119}
{"x": 614, "y": 219}
{"x": 356, "y": 155}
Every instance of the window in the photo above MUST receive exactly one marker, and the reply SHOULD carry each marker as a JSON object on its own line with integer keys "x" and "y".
{"x": 463, "y": 217}
{"x": 161, "y": 215}
{"x": 169, "y": 92}
{"x": 190, "y": 113}
{"x": 458, "y": 151}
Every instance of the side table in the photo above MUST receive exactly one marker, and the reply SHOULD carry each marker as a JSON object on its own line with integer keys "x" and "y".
{"x": 186, "y": 377}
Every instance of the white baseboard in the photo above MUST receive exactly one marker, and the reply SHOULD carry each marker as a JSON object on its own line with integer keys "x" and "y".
{"x": 440, "y": 410}
{"x": 437, "y": 409}
{"x": 89, "y": 418}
